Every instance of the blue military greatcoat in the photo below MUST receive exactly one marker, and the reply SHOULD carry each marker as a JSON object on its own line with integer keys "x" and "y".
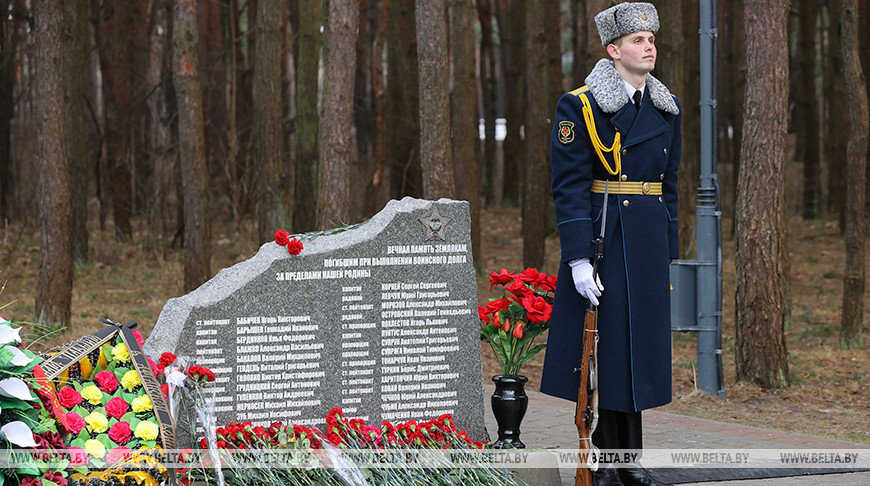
{"x": 641, "y": 235}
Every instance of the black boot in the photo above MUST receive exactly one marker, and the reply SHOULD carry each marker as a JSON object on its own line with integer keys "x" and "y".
{"x": 606, "y": 475}
{"x": 636, "y": 476}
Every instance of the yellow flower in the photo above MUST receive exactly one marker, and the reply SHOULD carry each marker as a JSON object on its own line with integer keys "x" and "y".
{"x": 142, "y": 404}
{"x": 97, "y": 422}
{"x": 120, "y": 353}
{"x": 130, "y": 380}
{"x": 92, "y": 394}
{"x": 146, "y": 430}
{"x": 95, "y": 448}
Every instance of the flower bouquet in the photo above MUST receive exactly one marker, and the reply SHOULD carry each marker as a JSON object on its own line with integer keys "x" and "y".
{"x": 351, "y": 452}
{"x": 511, "y": 323}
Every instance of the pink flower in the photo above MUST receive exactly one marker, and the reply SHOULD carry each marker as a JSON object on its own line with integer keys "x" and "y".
{"x": 120, "y": 433}
{"x": 154, "y": 369}
{"x": 106, "y": 381}
{"x": 117, "y": 407}
{"x": 69, "y": 397}
{"x": 75, "y": 422}
{"x": 77, "y": 456}
{"x": 139, "y": 338}
{"x": 118, "y": 454}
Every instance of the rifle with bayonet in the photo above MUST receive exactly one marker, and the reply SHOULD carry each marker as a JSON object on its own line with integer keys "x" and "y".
{"x": 586, "y": 414}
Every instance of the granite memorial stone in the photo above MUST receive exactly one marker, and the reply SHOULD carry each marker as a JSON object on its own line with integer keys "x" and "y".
{"x": 379, "y": 319}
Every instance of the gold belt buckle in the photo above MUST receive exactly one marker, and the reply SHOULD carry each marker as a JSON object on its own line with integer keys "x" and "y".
{"x": 644, "y": 188}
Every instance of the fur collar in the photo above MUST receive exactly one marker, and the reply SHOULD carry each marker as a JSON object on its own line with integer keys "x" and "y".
{"x": 607, "y": 88}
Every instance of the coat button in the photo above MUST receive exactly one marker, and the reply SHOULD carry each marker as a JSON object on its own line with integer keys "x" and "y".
{"x": 666, "y": 151}
{"x": 660, "y": 199}
{"x": 661, "y": 177}
{"x": 624, "y": 151}
{"x": 625, "y": 203}
{"x": 623, "y": 177}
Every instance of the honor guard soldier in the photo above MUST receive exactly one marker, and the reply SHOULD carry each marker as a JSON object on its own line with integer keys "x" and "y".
{"x": 619, "y": 134}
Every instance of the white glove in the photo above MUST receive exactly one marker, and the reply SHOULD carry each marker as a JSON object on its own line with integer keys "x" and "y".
{"x": 590, "y": 289}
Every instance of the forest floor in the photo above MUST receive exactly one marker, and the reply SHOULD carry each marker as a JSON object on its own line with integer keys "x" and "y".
{"x": 829, "y": 395}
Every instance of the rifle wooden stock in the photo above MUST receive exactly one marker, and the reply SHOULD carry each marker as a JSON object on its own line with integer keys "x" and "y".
{"x": 585, "y": 413}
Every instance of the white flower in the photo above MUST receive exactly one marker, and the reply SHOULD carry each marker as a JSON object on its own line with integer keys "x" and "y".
{"x": 176, "y": 378}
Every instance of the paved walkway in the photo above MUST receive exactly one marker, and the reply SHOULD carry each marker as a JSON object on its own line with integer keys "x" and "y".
{"x": 549, "y": 423}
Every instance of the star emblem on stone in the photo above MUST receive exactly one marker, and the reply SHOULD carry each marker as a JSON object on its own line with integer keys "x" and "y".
{"x": 434, "y": 224}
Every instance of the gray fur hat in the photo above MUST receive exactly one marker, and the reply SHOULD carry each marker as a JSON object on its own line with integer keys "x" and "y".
{"x": 626, "y": 18}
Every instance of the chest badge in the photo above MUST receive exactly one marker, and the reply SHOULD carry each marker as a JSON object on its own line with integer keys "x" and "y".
{"x": 566, "y": 132}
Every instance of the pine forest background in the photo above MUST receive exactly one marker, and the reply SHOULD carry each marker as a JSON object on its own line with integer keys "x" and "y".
{"x": 164, "y": 122}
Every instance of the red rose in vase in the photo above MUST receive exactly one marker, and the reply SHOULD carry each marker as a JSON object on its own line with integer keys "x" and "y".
{"x": 537, "y": 309}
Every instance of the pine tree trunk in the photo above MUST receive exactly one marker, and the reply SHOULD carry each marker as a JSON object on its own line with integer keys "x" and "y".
{"x": 213, "y": 83}
{"x": 191, "y": 140}
{"x": 80, "y": 174}
{"x": 336, "y": 123}
{"x": 403, "y": 103}
{"x": 856, "y": 161}
{"x": 537, "y": 140}
{"x": 268, "y": 111}
{"x": 493, "y": 173}
{"x": 465, "y": 139}
{"x": 435, "y": 146}
{"x": 762, "y": 266}
{"x": 307, "y": 118}
{"x": 810, "y": 119}
{"x": 8, "y": 47}
{"x": 58, "y": 86}
{"x": 363, "y": 162}
{"x": 115, "y": 68}
{"x": 690, "y": 165}
{"x": 514, "y": 42}
{"x": 373, "y": 191}
{"x": 837, "y": 125}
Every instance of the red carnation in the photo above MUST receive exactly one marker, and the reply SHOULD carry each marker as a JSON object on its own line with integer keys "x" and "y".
{"x": 537, "y": 309}
{"x": 116, "y": 407}
{"x": 69, "y": 397}
{"x": 167, "y": 359}
{"x": 106, "y": 381}
{"x": 282, "y": 237}
{"x": 120, "y": 433}
{"x": 294, "y": 246}
{"x": 198, "y": 372}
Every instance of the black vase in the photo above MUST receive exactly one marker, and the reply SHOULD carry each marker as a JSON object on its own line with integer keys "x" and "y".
{"x": 509, "y": 404}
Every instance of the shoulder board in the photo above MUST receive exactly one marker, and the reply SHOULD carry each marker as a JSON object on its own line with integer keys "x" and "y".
{"x": 579, "y": 91}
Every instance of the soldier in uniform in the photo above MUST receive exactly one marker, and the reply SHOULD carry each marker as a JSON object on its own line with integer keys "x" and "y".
{"x": 620, "y": 133}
